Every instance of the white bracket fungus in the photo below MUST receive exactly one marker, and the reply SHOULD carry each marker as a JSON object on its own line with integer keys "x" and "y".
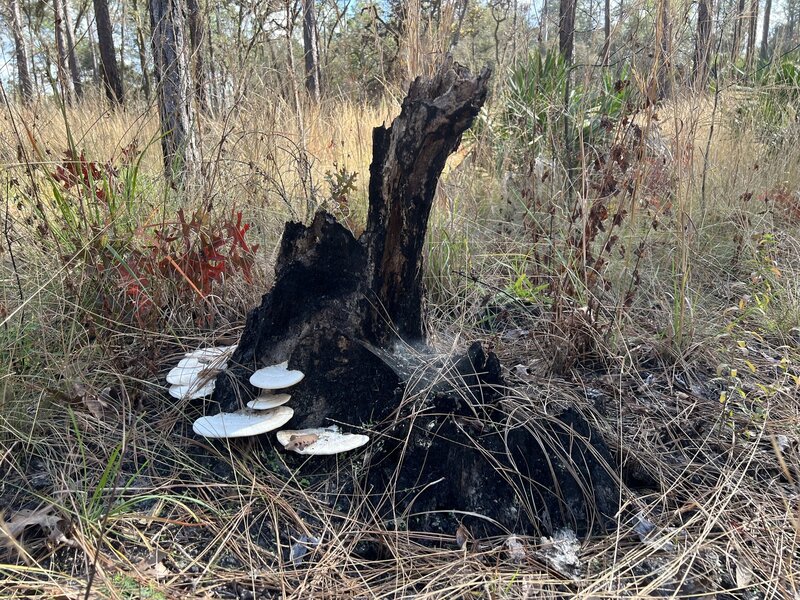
{"x": 242, "y": 423}
{"x": 190, "y": 370}
{"x": 193, "y": 376}
{"x": 209, "y": 354}
{"x": 266, "y": 401}
{"x": 275, "y": 377}
{"x": 192, "y": 391}
{"x": 320, "y": 441}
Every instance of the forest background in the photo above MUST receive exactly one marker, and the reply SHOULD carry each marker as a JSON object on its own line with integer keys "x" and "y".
{"x": 620, "y": 225}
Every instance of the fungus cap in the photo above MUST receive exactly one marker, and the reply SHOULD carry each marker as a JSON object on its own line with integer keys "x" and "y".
{"x": 267, "y": 401}
{"x": 192, "y": 391}
{"x": 242, "y": 423}
{"x": 189, "y": 374}
{"x": 275, "y": 377}
{"x": 320, "y": 441}
{"x": 211, "y": 352}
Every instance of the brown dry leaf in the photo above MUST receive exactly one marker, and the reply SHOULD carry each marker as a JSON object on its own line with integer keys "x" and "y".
{"x": 92, "y": 401}
{"x": 153, "y": 567}
{"x": 50, "y": 521}
{"x": 462, "y": 536}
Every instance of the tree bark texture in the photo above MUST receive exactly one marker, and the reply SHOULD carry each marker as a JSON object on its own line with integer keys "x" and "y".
{"x": 72, "y": 56}
{"x": 664, "y": 50}
{"x": 606, "y": 32}
{"x": 736, "y": 42}
{"x": 752, "y": 28}
{"x": 702, "y": 43}
{"x": 348, "y": 313}
{"x": 311, "y": 50}
{"x": 764, "y": 53}
{"x": 112, "y": 82}
{"x": 21, "y": 54}
{"x": 566, "y": 28}
{"x": 62, "y": 66}
{"x": 173, "y": 79}
{"x": 197, "y": 35}
{"x": 141, "y": 47}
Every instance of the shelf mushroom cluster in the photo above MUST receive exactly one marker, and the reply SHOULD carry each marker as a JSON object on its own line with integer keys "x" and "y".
{"x": 194, "y": 377}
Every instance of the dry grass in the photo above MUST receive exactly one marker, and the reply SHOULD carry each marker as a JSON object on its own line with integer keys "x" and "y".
{"x": 695, "y": 385}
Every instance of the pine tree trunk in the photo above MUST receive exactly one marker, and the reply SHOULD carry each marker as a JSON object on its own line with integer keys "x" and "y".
{"x": 141, "y": 47}
{"x": 566, "y": 28}
{"x": 606, "y": 33}
{"x": 702, "y": 44}
{"x": 72, "y": 57}
{"x": 764, "y": 54}
{"x": 173, "y": 79}
{"x": 752, "y": 22}
{"x": 21, "y": 54}
{"x": 311, "y": 50}
{"x": 736, "y": 42}
{"x": 112, "y": 82}
{"x": 197, "y": 34}
{"x": 62, "y": 65}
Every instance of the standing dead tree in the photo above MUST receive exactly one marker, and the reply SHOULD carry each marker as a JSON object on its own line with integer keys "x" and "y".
{"x": 349, "y": 313}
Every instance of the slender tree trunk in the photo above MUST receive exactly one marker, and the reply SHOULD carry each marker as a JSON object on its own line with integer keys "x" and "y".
{"x": 752, "y": 23}
{"x": 566, "y": 28}
{"x": 607, "y": 33}
{"x": 311, "y": 50}
{"x": 173, "y": 78}
{"x": 545, "y": 25}
{"x": 96, "y": 78}
{"x": 21, "y": 54}
{"x": 736, "y": 43}
{"x": 141, "y": 47}
{"x": 112, "y": 82}
{"x": 463, "y": 7}
{"x": 764, "y": 54}
{"x": 664, "y": 50}
{"x": 72, "y": 57}
{"x": 198, "y": 34}
{"x": 213, "y": 95}
{"x": 62, "y": 66}
{"x": 702, "y": 44}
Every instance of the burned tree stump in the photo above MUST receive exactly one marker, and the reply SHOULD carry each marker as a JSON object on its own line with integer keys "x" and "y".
{"x": 349, "y": 313}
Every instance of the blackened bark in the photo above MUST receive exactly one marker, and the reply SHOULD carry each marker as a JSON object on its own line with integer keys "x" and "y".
{"x": 112, "y": 82}
{"x": 407, "y": 161}
{"x": 347, "y": 312}
{"x": 330, "y": 286}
